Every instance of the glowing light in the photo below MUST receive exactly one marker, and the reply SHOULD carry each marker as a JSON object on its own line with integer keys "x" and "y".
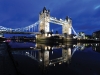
{"x": 74, "y": 37}
{"x": 52, "y": 52}
{"x": 96, "y": 44}
{"x": 50, "y": 63}
{"x": 60, "y": 63}
{"x": 4, "y": 41}
{"x": 45, "y": 47}
{"x": 27, "y": 52}
{"x": 49, "y": 47}
{"x": 74, "y": 45}
{"x": 40, "y": 59}
{"x": 69, "y": 51}
{"x": 60, "y": 19}
{"x": 31, "y": 47}
{"x": 35, "y": 45}
{"x": 52, "y": 48}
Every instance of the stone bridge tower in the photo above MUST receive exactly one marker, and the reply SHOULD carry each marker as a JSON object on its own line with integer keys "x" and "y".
{"x": 66, "y": 27}
{"x": 66, "y": 54}
{"x": 44, "y": 18}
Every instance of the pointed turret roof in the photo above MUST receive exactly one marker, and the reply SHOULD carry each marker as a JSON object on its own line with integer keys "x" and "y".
{"x": 44, "y": 8}
{"x": 67, "y": 18}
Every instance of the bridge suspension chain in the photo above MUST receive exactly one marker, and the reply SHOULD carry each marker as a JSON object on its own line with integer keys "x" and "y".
{"x": 74, "y": 31}
{"x": 2, "y": 28}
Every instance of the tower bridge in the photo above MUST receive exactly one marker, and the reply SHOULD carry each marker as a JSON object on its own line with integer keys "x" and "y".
{"x": 43, "y": 24}
{"x": 45, "y": 18}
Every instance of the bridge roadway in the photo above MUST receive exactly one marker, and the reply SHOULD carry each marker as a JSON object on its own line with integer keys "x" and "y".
{"x": 31, "y": 48}
{"x": 20, "y": 32}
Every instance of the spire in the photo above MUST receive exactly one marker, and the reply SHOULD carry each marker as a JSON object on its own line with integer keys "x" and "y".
{"x": 44, "y": 8}
{"x": 67, "y": 18}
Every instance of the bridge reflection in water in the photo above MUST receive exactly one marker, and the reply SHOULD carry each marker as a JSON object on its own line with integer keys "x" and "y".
{"x": 41, "y": 53}
{"x": 47, "y": 55}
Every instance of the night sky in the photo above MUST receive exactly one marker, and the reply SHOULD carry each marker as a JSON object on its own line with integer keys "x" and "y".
{"x": 85, "y": 14}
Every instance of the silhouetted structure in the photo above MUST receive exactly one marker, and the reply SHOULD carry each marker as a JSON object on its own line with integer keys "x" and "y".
{"x": 96, "y": 35}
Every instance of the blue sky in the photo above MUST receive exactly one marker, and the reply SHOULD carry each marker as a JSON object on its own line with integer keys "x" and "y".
{"x": 85, "y": 14}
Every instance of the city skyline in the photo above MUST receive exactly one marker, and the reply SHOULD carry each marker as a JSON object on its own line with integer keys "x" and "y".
{"x": 85, "y": 13}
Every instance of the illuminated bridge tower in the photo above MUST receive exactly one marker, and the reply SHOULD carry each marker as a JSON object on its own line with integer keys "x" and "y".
{"x": 44, "y": 18}
{"x": 66, "y": 27}
{"x": 43, "y": 54}
{"x": 66, "y": 54}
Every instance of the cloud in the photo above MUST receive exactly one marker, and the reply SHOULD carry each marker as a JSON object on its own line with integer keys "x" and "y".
{"x": 97, "y": 7}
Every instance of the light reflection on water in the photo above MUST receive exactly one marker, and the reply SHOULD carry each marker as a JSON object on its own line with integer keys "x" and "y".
{"x": 61, "y": 59}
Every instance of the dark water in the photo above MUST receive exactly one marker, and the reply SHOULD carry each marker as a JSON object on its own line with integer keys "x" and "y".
{"x": 41, "y": 59}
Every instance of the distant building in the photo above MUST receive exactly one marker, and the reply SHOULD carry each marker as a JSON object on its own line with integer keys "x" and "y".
{"x": 96, "y": 47}
{"x": 1, "y": 34}
{"x": 88, "y": 37}
{"x": 96, "y": 35}
{"x": 81, "y": 35}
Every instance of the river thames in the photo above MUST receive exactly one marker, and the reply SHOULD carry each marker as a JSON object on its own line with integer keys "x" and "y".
{"x": 27, "y": 58}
